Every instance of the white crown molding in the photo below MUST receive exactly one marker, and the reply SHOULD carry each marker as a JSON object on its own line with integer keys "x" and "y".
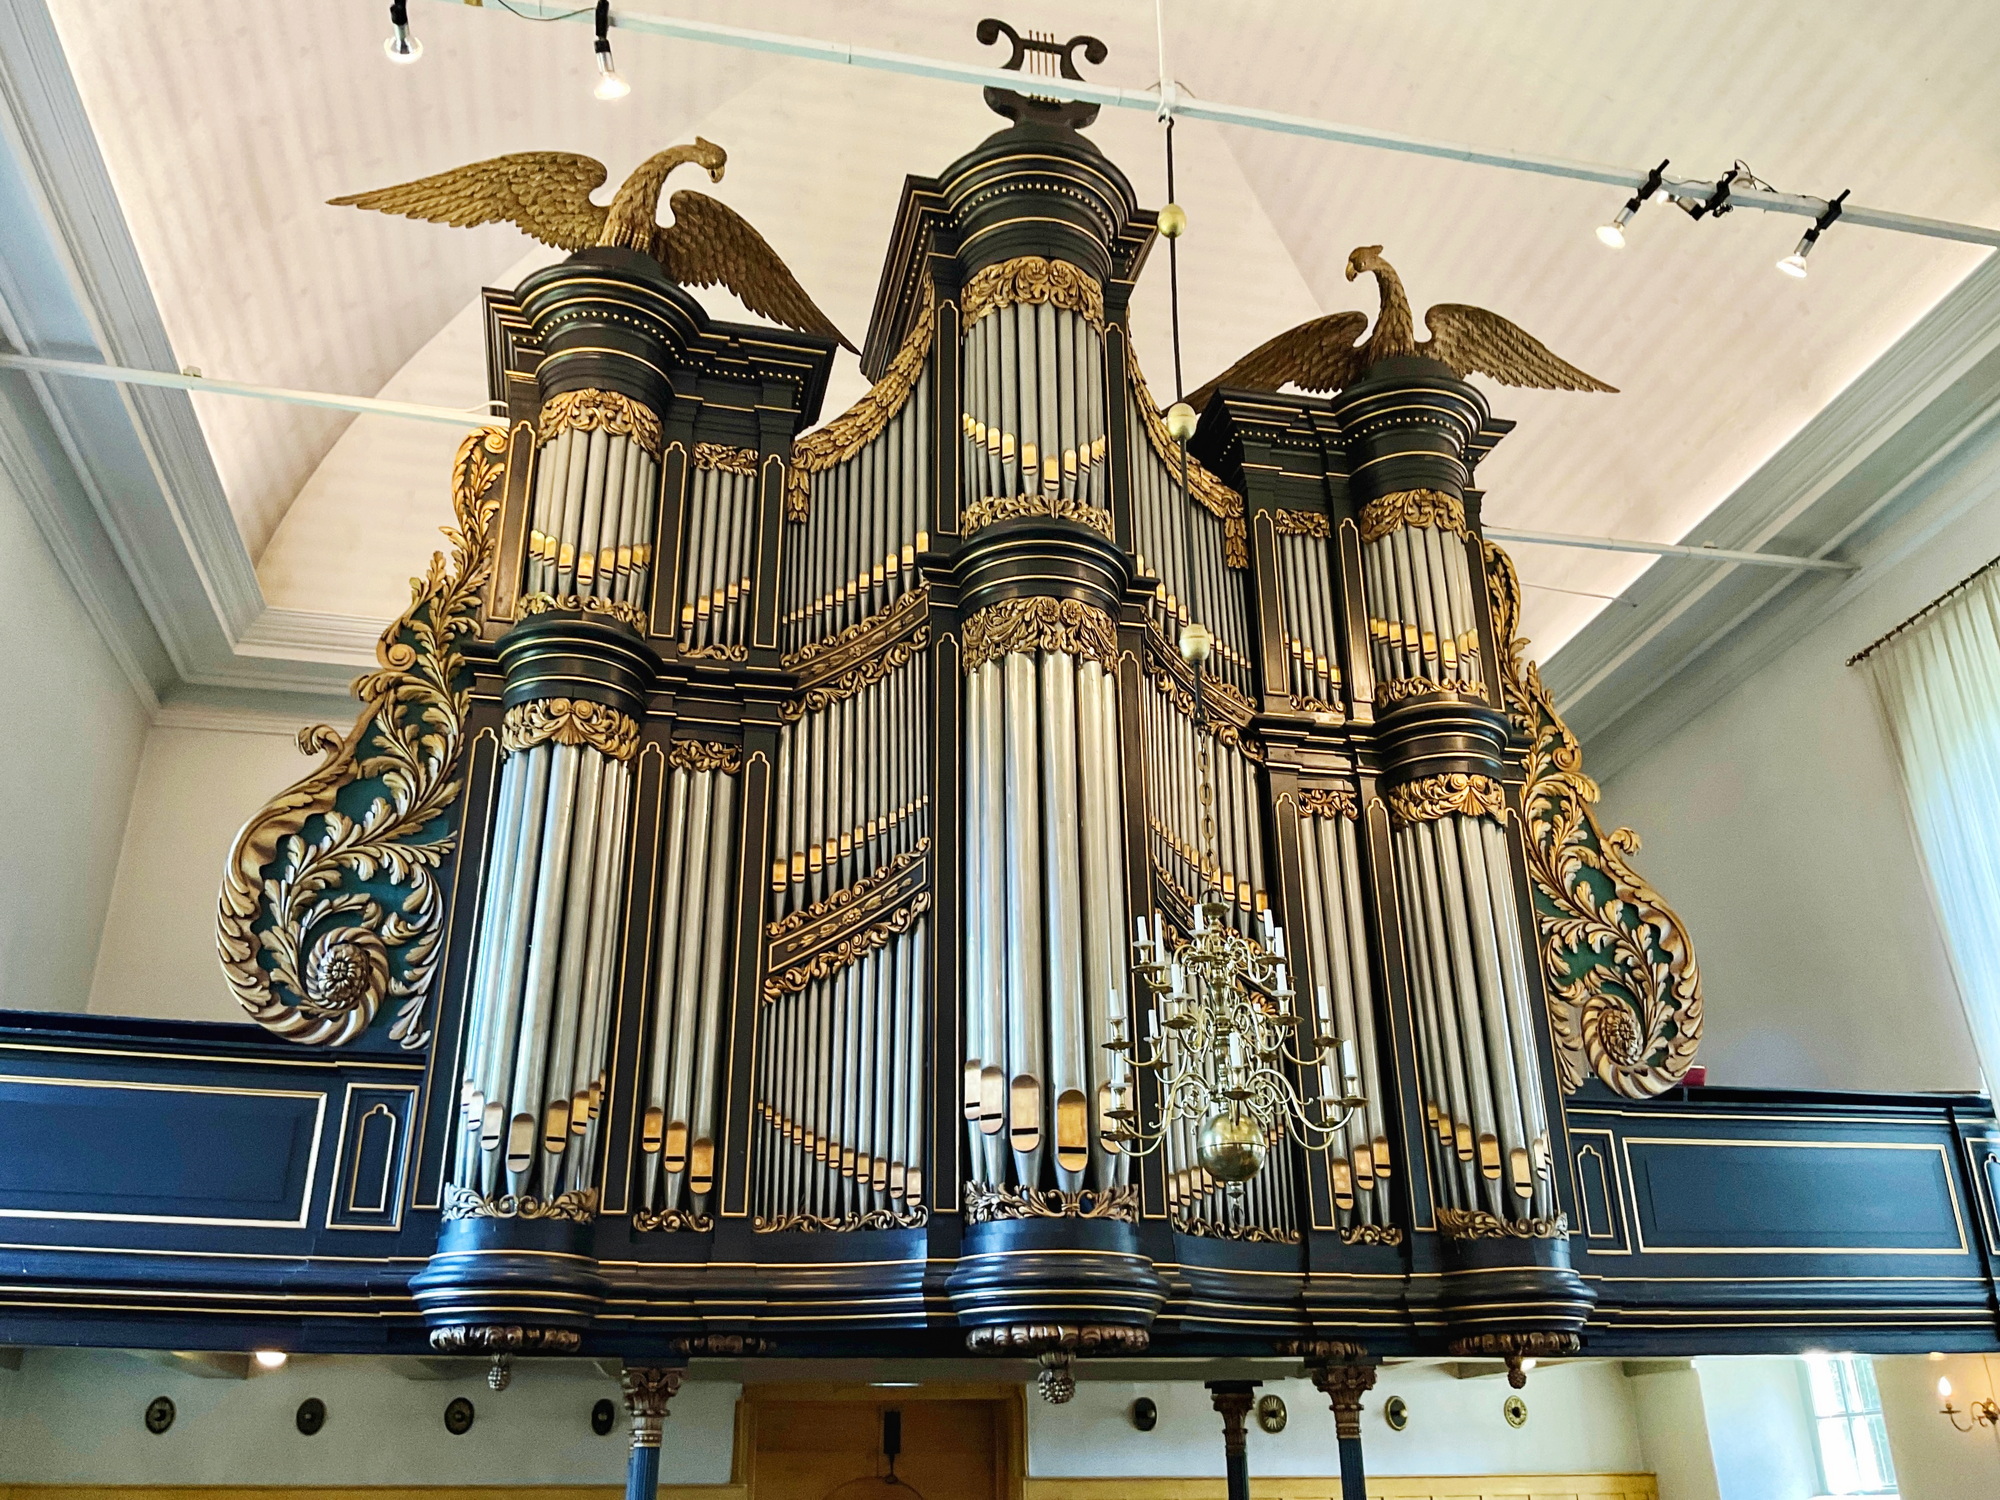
{"x": 1871, "y": 470}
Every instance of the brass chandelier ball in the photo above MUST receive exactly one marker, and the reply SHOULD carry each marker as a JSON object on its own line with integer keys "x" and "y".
{"x": 1231, "y": 1147}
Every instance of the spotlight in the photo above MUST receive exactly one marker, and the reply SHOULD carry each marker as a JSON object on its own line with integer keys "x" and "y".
{"x": 1794, "y": 265}
{"x": 270, "y": 1359}
{"x": 399, "y": 45}
{"x": 1613, "y": 234}
{"x": 609, "y": 84}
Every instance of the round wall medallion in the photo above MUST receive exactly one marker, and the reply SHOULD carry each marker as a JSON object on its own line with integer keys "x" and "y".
{"x": 159, "y": 1415}
{"x": 458, "y": 1416}
{"x": 1271, "y": 1413}
{"x": 1516, "y": 1411}
{"x": 602, "y": 1416}
{"x": 1145, "y": 1415}
{"x": 1396, "y": 1412}
{"x": 311, "y": 1415}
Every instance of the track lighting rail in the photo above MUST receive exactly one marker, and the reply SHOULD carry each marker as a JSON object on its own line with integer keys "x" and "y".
{"x": 1181, "y": 106}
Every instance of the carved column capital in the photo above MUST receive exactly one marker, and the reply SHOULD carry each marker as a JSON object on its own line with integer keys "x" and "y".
{"x": 1344, "y": 1384}
{"x": 648, "y": 1389}
{"x": 1233, "y": 1399}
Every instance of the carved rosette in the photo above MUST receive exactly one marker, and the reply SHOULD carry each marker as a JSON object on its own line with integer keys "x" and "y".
{"x": 570, "y": 721}
{"x": 606, "y": 411}
{"x": 1032, "y": 280}
{"x": 987, "y": 1203}
{"x": 1428, "y": 508}
{"x": 330, "y": 902}
{"x": 858, "y": 426}
{"x": 1429, "y": 798}
{"x": 1040, "y": 624}
{"x": 997, "y": 508}
{"x": 1624, "y": 989}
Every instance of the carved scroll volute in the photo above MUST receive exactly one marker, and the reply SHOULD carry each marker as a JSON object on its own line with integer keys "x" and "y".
{"x": 1624, "y": 991}
{"x": 330, "y": 900}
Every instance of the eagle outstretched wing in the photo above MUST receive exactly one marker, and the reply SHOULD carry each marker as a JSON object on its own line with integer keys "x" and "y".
{"x": 1474, "y": 341}
{"x": 710, "y": 244}
{"x": 544, "y": 193}
{"x": 1319, "y": 355}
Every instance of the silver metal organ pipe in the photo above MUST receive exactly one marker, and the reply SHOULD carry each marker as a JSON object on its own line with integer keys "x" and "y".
{"x": 1447, "y": 893}
{"x": 524, "y": 1108}
{"x": 1069, "y": 1108}
{"x": 714, "y": 975}
{"x": 1025, "y": 999}
{"x": 1376, "y": 1109}
{"x": 1461, "y": 839}
{"x": 496, "y": 904}
{"x": 1521, "y": 1027}
{"x": 554, "y": 1092}
{"x": 993, "y": 895}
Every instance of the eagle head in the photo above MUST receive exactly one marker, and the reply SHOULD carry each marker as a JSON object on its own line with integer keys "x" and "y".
{"x": 1365, "y": 258}
{"x": 707, "y": 154}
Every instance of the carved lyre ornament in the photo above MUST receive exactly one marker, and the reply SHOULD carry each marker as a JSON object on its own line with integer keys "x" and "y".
{"x": 1624, "y": 991}
{"x": 330, "y": 900}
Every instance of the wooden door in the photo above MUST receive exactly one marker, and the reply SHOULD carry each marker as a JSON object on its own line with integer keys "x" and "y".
{"x": 826, "y": 1443}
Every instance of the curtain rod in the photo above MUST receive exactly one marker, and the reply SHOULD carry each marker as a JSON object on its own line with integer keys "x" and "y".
{"x": 1179, "y": 105}
{"x": 1923, "y": 614}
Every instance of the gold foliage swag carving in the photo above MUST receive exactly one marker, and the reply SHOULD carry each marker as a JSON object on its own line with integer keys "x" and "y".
{"x": 578, "y": 1206}
{"x": 850, "y": 949}
{"x": 866, "y": 673}
{"x": 1478, "y": 1224}
{"x": 987, "y": 1203}
{"x": 1397, "y": 689}
{"x": 1302, "y": 523}
{"x": 1432, "y": 508}
{"x": 997, "y": 508}
{"x": 570, "y": 721}
{"x": 1327, "y": 802}
{"x": 624, "y": 612}
{"x": 1429, "y": 798}
{"x": 1032, "y": 280}
{"x": 858, "y": 426}
{"x": 705, "y": 755}
{"x": 592, "y": 410}
{"x": 1040, "y": 624}
{"x": 1215, "y": 497}
{"x": 1624, "y": 989}
{"x": 334, "y": 881}
{"x": 738, "y": 461}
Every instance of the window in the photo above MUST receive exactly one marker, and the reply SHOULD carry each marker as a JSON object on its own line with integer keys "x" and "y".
{"x": 1847, "y": 1425}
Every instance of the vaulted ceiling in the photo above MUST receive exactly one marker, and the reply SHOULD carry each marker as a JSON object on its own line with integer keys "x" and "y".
{"x": 224, "y": 128}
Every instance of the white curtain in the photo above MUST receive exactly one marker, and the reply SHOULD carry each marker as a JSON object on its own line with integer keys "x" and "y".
{"x": 1939, "y": 686}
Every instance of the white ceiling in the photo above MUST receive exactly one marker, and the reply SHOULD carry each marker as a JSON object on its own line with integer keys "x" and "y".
{"x": 225, "y": 127}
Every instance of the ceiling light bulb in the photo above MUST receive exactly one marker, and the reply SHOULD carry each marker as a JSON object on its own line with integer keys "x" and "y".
{"x": 609, "y": 84}
{"x": 399, "y": 45}
{"x": 271, "y": 1359}
{"x": 1612, "y": 235}
{"x": 1794, "y": 265}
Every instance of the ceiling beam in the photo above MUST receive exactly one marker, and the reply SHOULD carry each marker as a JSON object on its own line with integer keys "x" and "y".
{"x": 1180, "y": 106}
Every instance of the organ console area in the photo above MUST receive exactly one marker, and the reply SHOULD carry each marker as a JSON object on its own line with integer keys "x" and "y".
{"x": 717, "y": 933}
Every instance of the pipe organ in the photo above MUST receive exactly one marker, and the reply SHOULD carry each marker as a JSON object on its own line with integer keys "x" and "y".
{"x": 792, "y": 796}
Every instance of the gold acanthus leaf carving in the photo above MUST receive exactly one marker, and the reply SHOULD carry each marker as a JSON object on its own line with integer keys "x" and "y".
{"x": 858, "y": 426}
{"x": 705, "y": 755}
{"x": 885, "y": 625}
{"x": 997, "y": 508}
{"x": 852, "y": 681}
{"x": 874, "y": 1218}
{"x": 837, "y": 956}
{"x": 570, "y": 721}
{"x": 594, "y": 410}
{"x": 852, "y": 895}
{"x": 729, "y": 460}
{"x": 1624, "y": 988}
{"x": 1247, "y": 1234}
{"x": 1429, "y": 798}
{"x": 621, "y": 610}
{"x": 1397, "y": 689}
{"x": 1032, "y": 280}
{"x": 1372, "y": 1234}
{"x": 335, "y": 881}
{"x": 1478, "y": 1224}
{"x": 578, "y": 1206}
{"x": 1302, "y": 523}
{"x": 988, "y": 1202}
{"x": 1039, "y": 623}
{"x": 1432, "y": 508}
{"x": 671, "y": 1221}
{"x": 1327, "y": 802}
{"x": 1319, "y": 708}
{"x": 734, "y": 652}
{"x": 1215, "y": 497}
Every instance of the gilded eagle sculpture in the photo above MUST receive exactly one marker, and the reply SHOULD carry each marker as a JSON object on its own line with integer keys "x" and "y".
{"x": 546, "y": 194}
{"x": 1329, "y": 354}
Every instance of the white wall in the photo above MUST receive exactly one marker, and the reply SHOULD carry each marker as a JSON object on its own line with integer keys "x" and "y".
{"x": 1933, "y": 1460}
{"x": 1580, "y": 1421}
{"x": 71, "y": 726}
{"x": 1758, "y": 1429}
{"x": 1673, "y": 1428}
{"x": 203, "y": 774}
{"x": 76, "y": 1417}
{"x": 1775, "y": 824}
